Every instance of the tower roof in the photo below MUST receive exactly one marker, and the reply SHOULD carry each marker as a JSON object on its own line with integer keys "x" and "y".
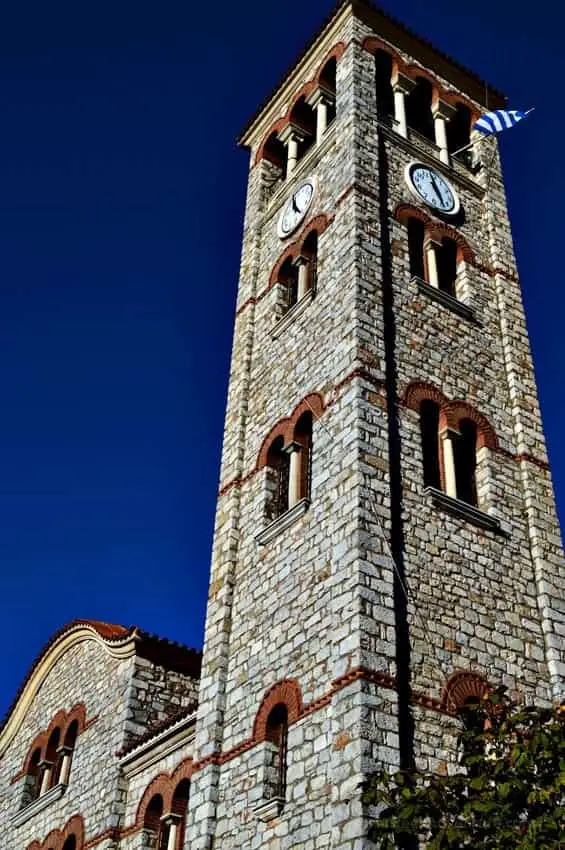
{"x": 401, "y": 36}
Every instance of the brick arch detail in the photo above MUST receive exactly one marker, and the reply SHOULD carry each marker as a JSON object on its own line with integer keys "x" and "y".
{"x": 319, "y": 223}
{"x": 453, "y": 99}
{"x": 337, "y": 50}
{"x": 160, "y": 784}
{"x": 312, "y": 403}
{"x": 457, "y": 410}
{"x": 57, "y": 837}
{"x": 372, "y": 43}
{"x": 164, "y": 784}
{"x": 419, "y": 391}
{"x": 404, "y": 212}
{"x": 62, "y": 720}
{"x": 440, "y": 231}
{"x": 460, "y": 686}
{"x": 287, "y": 692}
{"x": 415, "y": 71}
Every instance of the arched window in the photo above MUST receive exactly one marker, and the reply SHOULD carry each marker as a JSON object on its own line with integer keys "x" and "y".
{"x": 446, "y": 263}
{"x": 288, "y": 277}
{"x": 303, "y": 118}
{"x": 278, "y": 466}
{"x": 179, "y": 808}
{"x": 303, "y": 472}
{"x": 274, "y": 152}
{"x": 152, "y": 819}
{"x": 327, "y": 81}
{"x": 277, "y": 735}
{"x": 309, "y": 256}
{"x": 32, "y": 783}
{"x": 70, "y": 843}
{"x": 429, "y": 432}
{"x": 419, "y": 109}
{"x": 65, "y": 754}
{"x": 416, "y": 247}
{"x": 465, "y": 454}
{"x": 459, "y": 131}
{"x": 49, "y": 777}
{"x": 383, "y": 85}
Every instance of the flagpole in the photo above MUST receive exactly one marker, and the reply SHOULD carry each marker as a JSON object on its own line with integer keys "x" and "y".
{"x": 482, "y": 138}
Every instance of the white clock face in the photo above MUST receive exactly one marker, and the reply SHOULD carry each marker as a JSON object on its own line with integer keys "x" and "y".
{"x": 296, "y": 208}
{"x": 433, "y": 188}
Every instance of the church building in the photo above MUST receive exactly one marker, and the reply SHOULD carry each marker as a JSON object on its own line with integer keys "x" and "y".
{"x": 386, "y": 544}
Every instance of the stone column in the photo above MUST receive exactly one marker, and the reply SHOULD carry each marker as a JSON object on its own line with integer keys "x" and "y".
{"x": 303, "y": 264}
{"x": 450, "y": 482}
{"x": 442, "y": 112}
{"x": 173, "y": 822}
{"x": 430, "y": 248}
{"x": 401, "y": 86}
{"x": 46, "y": 768}
{"x": 65, "y": 753}
{"x": 293, "y": 450}
{"x": 320, "y": 99}
{"x": 291, "y": 136}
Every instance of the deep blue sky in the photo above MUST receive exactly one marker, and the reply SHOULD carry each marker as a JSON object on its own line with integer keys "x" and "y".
{"x": 121, "y": 200}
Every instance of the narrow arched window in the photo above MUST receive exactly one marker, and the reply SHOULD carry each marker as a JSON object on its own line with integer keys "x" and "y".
{"x": 446, "y": 260}
{"x": 327, "y": 80}
{"x": 152, "y": 818}
{"x": 288, "y": 277}
{"x": 278, "y": 467}
{"x": 32, "y": 782}
{"x": 65, "y": 755}
{"x": 383, "y": 85}
{"x": 459, "y": 132}
{"x": 179, "y": 808}
{"x": 274, "y": 151}
{"x": 301, "y": 472}
{"x": 303, "y": 118}
{"x": 419, "y": 109}
{"x": 429, "y": 433}
{"x": 416, "y": 247}
{"x": 70, "y": 843}
{"x": 309, "y": 254}
{"x": 277, "y": 735}
{"x": 465, "y": 456}
{"x": 49, "y": 765}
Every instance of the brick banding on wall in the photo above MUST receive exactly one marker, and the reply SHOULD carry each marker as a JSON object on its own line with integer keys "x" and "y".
{"x": 57, "y": 837}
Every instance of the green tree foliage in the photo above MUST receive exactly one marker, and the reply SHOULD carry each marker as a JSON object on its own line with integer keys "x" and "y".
{"x": 508, "y": 792}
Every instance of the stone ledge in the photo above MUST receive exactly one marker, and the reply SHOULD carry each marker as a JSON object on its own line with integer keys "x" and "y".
{"x": 269, "y": 809}
{"x": 38, "y": 805}
{"x": 281, "y": 523}
{"x": 292, "y": 314}
{"x": 463, "y": 510}
{"x": 445, "y": 299}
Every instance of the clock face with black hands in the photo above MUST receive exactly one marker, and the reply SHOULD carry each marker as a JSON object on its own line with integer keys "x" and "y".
{"x": 433, "y": 188}
{"x": 295, "y": 209}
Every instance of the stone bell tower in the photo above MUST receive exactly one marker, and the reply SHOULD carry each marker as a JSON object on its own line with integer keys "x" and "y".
{"x": 386, "y": 538}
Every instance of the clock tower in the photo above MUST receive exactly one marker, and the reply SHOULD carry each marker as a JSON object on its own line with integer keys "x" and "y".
{"x": 386, "y": 541}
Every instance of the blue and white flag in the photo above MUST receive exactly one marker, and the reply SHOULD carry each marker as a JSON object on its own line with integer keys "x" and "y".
{"x": 500, "y": 119}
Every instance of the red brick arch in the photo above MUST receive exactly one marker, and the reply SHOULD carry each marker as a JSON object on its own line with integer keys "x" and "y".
{"x": 61, "y": 720}
{"x": 404, "y": 212}
{"x": 312, "y": 403}
{"x": 457, "y": 410}
{"x": 164, "y": 784}
{"x": 451, "y": 412}
{"x": 286, "y": 692}
{"x": 319, "y": 223}
{"x": 336, "y": 51}
{"x": 462, "y": 685}
{"x": 57, "y": 837}
{"x": 440, "y": 231}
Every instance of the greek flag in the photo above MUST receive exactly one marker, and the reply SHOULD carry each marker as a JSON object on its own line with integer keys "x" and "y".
{"x": 501, "y": 119}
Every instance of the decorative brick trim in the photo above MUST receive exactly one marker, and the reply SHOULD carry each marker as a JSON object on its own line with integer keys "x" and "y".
{"x": 287, "y": 692}
{"x": 451, "y": 411}
{"x": 112, "y": 833}
{"x": 435, "y": 230}
{"x": 459, "y": 687}
{"x": 163, "y": 784}
{"x": 57, "y": 837}
{"x": 236, "y": 482}
{"x": 285, "y": 427}
{"x": 336, "y": 52}
{"x": 250, "y": 301}
{"x": 319, "y": 223}
{"x": 61, "y": 720}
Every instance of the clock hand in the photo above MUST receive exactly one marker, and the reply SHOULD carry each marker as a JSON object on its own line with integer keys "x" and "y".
{"x": 436, "y": 189}
{"x": 294, "y": 207}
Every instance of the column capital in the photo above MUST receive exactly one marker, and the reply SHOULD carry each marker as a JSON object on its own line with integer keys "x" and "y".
{"x": 44, "y": 764}
{"x": 320, "y": 94}
{"x": 441, "y": 109}
{"x": 301, "y": 260}
{"x": 64, "y": 749}
{"x": 401, "y": 83}
{"x": 292, "y": 133}
{"x": 170, "y": 818}
{"x": 292, "y": 447}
